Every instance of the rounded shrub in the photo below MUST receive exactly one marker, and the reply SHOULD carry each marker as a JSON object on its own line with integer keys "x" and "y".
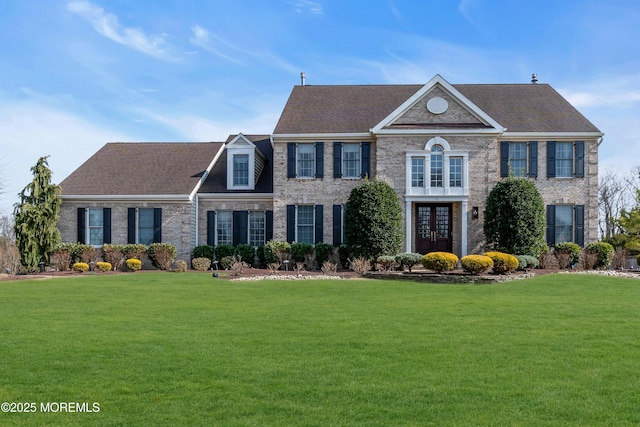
{"x": 162, "y": 255}
{"x": 133, "y": 264}
{"x": 201, "y": 264}
{"x": 514, "y": 220}
{"x": 224, "y": 250}
{"x": 476, "y": 264}
{"x": 373, "y": 220}
{"x": 227, "y": 262}
{"x": 408, "y": 260}
{"x": 299, "y": 250}
{"x": 527, "y": 261}
{"x": 603, "y": 250}
{"x": 568, "y": 250}
{"x": 440, "y": 261}
{"x": 386, "y": 262}
{"x": 135, "y": 250}
{"x": 181, "y": 266}
{"x": 246, "y": 253}
{"x": 276, "y": 251}
{"x": 323, "y": 252}
{"x": 103, "y": 266}
{"x": 203, "y": 251}
{"x": 503, "y": 263}
{"x": 80, "y": 266}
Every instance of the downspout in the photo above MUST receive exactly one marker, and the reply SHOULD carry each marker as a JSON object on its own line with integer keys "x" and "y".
{"x": 197, "y": 218}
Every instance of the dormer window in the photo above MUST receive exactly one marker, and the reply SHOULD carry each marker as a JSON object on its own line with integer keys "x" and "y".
{"x": 244, "y": 164}
{"x": 240, "y": 170}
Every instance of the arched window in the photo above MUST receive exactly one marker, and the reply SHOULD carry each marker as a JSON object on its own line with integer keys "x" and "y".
{"x": 436, "y": 165}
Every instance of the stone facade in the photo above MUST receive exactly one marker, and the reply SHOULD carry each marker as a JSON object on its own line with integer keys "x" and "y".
{"x": 176, "y": 222}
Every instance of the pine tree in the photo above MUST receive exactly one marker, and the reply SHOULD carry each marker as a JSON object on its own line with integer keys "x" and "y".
{"x": 36, "y": 217}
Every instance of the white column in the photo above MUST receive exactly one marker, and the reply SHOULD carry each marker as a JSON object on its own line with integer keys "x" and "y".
{"x": 408, "y": 215}
{"x": 463, "y": 227}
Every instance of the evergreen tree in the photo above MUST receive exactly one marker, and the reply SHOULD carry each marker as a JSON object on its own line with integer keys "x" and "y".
{"x": 36, "y": 217}
{"x": 373, "y": 220}
{"x": 514, "y": 221}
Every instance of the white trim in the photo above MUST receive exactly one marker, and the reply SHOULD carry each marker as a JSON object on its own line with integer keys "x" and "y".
{"x": 205, "y": 175}
{"x": 457, "y": 132}
{"x": 453, "y": 92}
{"x": 237, "y": 196}
{"x": 553, "y": 135}
{"x": 321, "y": 136}
{"x": 128, "y": 198}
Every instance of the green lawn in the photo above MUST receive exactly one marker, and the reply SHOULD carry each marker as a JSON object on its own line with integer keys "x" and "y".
{"x": 186, "y": 349}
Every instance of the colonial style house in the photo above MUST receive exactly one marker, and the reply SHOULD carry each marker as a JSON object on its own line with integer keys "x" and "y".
{"x": 442, "y": 147}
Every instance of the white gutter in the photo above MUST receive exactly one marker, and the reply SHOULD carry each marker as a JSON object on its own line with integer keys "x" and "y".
{"x": 129, "y": 197}
{"x": 558, "y": 135}
{"x": 204, "y": 176}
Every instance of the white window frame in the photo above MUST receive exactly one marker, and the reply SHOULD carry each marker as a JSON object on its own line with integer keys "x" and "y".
{"x": 228, "y": 224}
{"x": 519, "y": 171}
{"x": 301, "y": 162}
{"x": 411, "y": 157}
{"x": 311, "y": 225}
{"x": 571, "y": 232}
{"x": 357, "y": 162}
{"x": 140, "y": 229}
{"x": 94, "y": 227}
{"x": 253, "y": 230}
{"x": 561, "y": 163}
{"x": 242, "y": 150}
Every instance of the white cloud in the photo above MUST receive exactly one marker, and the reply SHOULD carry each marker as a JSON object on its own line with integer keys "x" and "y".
{"x": 221, "y": 47}
{"x": 302, "y": 6}
{"x": 107, "y": 24}
{"x": 196, "y": 128}
{"x": 29, "y": 131}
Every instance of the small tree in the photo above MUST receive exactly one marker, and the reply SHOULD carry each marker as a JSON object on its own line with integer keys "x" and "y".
{"x": 514, "y": 221}
{"x": 373, "y": 220}
{"x": 36, "y": 217}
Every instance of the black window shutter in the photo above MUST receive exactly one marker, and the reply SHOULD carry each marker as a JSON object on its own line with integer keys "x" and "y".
{"x": 211, "y": 228}
{"x": 291, "y": 223}
{"x": 291, "y": 159}
{"x": 240, "y": 227}
{"x": 504, "y": 159}
{"x": 319, "y": 219}
{"x": 269, "y": 226}
{"x": 533, "y": 159}
{"x": 580, "y": 159}
{"x": 131, "y": 225}
{"x": 366, "y": 159}
{"x": 157, "y": 225}
{"x": 580, "y": 225}
{"x": 337, "y": 159}
{"x": 106, "y": 225}
{"x": 319, "y": 159}
{"x": 551, "y": 225}
{"x": 337, "y": 225}
{"x": 82, "y": 225}
{"x": 551, "y": 159}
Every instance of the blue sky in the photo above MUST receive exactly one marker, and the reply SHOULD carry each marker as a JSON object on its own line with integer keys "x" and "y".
{"x": 78, "y": 74}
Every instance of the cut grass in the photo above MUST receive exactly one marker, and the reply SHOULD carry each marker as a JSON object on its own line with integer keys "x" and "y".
{"x": 186, "y": 349}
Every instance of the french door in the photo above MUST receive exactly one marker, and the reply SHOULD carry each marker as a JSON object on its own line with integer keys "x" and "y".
{"x": 433, "y": 227}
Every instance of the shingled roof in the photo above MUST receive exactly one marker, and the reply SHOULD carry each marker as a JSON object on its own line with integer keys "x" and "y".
{"x": 358, "y": 108}
{"x": 217, "y": 180}
{"x": 152, "y": 168}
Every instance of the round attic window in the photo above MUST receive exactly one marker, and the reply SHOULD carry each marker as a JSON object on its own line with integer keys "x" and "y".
{"x": 437, "y": 105}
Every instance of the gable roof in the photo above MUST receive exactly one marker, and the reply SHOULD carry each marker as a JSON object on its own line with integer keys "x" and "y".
{"x": 151, "y": 168}
{"x": 358, "y": 108}
{"x": 216, "y": 182}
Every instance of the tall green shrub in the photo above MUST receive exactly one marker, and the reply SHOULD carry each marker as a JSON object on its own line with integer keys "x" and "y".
{"x": 603, "y": 250}
{"x": 203, "y": 251}
{"x": 514, "y": 221}
{"x": 373, "y": 220}
{"x": 36, "y": 217}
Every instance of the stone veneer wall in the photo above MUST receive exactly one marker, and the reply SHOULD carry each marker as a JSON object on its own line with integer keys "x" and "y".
{"x": 176, "y": 222}
{"x": 213, "y": 204}
{"x": 327, "y": 191}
